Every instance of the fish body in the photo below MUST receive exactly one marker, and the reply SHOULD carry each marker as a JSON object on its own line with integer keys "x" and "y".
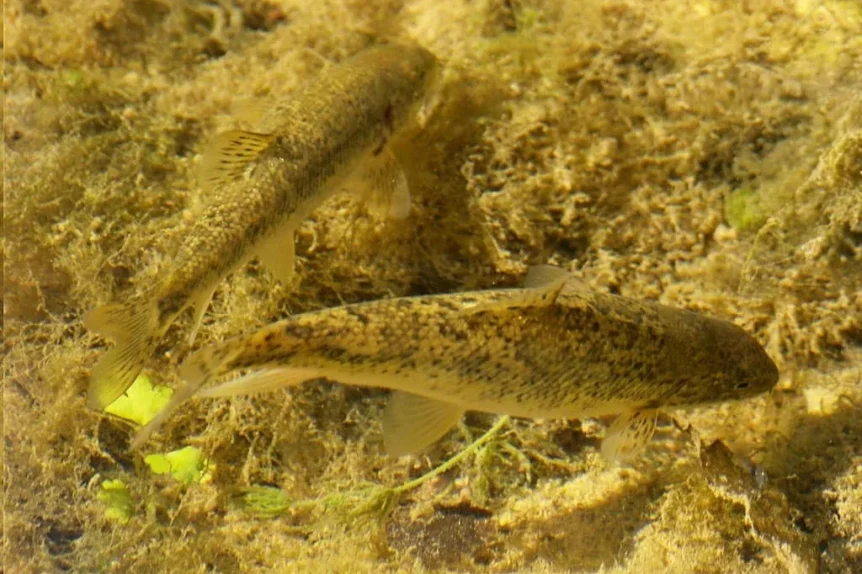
{"x": 262, "y": 185}
{"x": 553, "y": 349}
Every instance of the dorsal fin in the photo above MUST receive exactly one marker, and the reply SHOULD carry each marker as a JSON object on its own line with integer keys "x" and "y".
{"x": 544, "y": 275}
{"x": 542, "y": 285}
{"x": 228, "y": 155}
{"x": 250, "y": 112}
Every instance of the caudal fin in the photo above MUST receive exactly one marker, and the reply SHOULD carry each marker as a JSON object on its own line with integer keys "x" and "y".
{"x": 196, "y": 371}
{"x": 134, "y": 328}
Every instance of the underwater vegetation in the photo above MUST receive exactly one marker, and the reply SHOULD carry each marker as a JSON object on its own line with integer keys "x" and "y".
{"x": 705, "y": 155}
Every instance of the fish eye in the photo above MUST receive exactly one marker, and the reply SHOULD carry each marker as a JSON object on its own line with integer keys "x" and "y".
{"x": 741, "y": 386}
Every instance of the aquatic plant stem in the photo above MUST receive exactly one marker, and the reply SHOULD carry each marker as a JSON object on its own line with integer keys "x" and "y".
{"x": 482, "y": 440}
{"x": 383, "y": 500}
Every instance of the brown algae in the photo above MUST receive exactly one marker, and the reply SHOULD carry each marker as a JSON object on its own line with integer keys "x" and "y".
{"x": 701, "y": 155}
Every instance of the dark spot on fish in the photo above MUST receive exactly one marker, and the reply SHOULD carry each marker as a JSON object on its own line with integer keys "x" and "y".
{"x": 448, "y": 305}
{"x": 388, "y": 119}
{"x": 361, "y": 317}
{"x": 334, "y": 353}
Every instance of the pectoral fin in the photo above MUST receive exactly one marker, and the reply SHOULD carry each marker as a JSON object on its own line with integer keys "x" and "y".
{"x": 382, "y": 184}
{"x": 200, "y": 302}
{"x": 628, "y": 435}
{"x": 412, "y": 422}
{"x": 229, "y": 154}
{"x": 278, "y": 254}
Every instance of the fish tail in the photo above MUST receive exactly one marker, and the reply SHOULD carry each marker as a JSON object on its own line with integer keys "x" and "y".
{"x": 208, "y": 362}
{"x": 196, "y": 371}
{"x": 134, "y": 328}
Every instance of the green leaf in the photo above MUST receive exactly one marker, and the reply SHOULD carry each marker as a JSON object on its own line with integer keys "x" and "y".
{"x": 142, "y": 402}
{"x": 186, "y": 465}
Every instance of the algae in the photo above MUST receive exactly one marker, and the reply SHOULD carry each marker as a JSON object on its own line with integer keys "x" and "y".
{"x": 606, "y": 136}
{"x": 118, "y": 501}
{"x": 185, "y": 465}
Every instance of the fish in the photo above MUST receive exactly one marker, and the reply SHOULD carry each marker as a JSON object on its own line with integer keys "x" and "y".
{"x": 553, "y": 348}
{"x": 333, "y": 135}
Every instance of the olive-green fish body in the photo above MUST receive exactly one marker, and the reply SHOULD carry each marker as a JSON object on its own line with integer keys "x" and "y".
{"x": 261, "y": 186}
{"x": 553, "y": 349}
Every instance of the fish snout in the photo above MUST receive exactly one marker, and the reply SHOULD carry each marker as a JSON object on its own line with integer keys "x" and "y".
{"x": 756, "y": 371}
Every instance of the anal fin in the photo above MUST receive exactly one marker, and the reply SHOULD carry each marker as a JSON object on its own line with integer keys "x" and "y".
{"x": 412, "y": 422}
{"x": 628, "y": 435}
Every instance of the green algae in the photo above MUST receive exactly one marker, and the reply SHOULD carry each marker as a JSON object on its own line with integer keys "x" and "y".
{"x": 186, "y": 465}
{"x": 115, "y": 496}
{"x": 743, "y": 210}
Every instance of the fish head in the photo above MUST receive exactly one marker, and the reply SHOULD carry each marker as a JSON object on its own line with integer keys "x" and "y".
{"x": 414, "y": 78}
{"x": 743, "y": 369}
{"x": 421, "y": 66}
{"x": 728, "y": 364}
{"x": 754, "y": 372}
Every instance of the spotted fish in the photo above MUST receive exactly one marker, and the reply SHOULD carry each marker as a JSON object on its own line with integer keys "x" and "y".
{"x": 552, "y": 349}
{"x": 332, "y": 135}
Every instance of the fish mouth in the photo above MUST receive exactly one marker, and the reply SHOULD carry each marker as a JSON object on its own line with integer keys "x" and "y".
{"x": 763, "y": 374}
